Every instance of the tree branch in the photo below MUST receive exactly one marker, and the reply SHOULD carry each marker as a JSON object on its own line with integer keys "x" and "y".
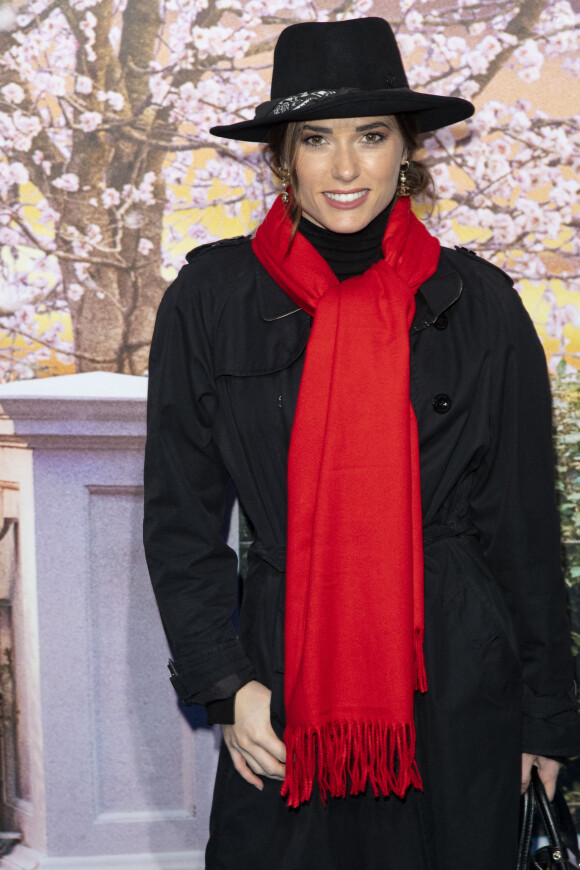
{"x": 521, "y": 26}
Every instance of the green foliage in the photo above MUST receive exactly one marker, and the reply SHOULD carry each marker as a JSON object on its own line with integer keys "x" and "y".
{"x": 566, "y": 404}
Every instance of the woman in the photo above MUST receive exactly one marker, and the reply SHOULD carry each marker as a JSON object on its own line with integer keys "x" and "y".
{"x": 394, "y": 393}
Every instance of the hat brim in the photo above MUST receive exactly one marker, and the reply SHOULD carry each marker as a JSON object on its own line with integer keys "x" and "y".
{"x": 432, "y": 111}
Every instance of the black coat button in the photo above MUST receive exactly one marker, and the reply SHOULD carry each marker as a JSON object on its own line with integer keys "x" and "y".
{"x": 441, "y": 322}
{"x": 441, "y": 403}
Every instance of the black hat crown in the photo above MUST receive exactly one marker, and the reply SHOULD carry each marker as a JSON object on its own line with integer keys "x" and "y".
{"x": 316, "y": 56}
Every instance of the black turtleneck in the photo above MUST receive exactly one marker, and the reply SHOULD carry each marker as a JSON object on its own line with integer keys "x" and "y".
{"x": 348, "y": 254}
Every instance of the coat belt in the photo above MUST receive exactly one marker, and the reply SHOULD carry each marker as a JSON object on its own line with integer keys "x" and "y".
{"x": 275, "y": 556}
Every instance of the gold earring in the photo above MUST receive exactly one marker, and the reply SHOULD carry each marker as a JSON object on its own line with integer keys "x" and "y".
{"x": 284, "y": 177}
{"x": 402, "y": 189}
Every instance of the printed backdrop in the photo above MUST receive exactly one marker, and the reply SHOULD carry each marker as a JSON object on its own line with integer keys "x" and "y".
{"x": 108, "y": 174}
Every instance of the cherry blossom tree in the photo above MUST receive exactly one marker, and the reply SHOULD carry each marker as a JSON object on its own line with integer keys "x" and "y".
{"x": 94, "y": 97}
{"x": 109, "y": 173}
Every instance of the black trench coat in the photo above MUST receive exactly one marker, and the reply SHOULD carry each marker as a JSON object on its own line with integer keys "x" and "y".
{"x": 226, "y": 362}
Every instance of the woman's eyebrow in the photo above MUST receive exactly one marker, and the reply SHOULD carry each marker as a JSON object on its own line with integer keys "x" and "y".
{"x": 364, "y": 127}
{"x": 317, "y": 129}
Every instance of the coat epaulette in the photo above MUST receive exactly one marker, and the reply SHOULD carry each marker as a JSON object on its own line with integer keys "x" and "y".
{"x": 195, "y": 252}
{"x": 475, "y": 256}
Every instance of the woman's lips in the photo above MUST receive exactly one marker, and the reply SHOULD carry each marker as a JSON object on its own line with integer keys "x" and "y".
{"x": 346, "y": 199}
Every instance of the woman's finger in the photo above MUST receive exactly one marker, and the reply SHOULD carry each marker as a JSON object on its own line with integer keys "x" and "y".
{"x": 244, "y": 769}
{"x": 263, "y": 762}
{"x": 269, "y": 741}
{"x": 527, "y": 761}
{"x": 548, "y": 769}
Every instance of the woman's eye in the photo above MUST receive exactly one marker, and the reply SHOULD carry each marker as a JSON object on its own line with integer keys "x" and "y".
{"x": 373, "y": 138}
{"x": 313, "y": 140}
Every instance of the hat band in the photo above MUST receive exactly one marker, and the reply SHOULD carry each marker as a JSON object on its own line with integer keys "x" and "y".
{"x": 298, "y": 101}
{"x": 306, "y": 98}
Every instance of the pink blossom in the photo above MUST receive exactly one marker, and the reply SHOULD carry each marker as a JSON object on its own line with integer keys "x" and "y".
{"x": 83, "y": 85}
{"x": 94, "y": 234}
{"x": 9, "y": 236}
{"x": 477, "y": 28}
{"x": 81, "y": 5}
{"x": 115, "y": 100}
{"x": 14, "y": 173}
{"x": 477, "y": 62}
{"x": 528, "y": 54}
{"x": 199, "y": 232}
{"x": 489, "y": 47}
{"x": 144, "y": 192}
{"x": 159, "y": 88}
{"x": 520, "y": 122}
{"x": 48, "y": 216}
{"x": 199, "y": 198}
{"x": 50, "y": 83}
{"x": 69, "y": 182}
{"x": 533, "y": 220}
{"x": 64, "y": 358}
{"x": 414, "y": 20}
{"x": 145, "y": 246}
{"x": 237, "y": 44}
{"x": 566, "y": 192}
{"x": 559, "y": 317}
{"x": 82, "y": 271}
{"x": 110, "y": 197}
{"x": 13, "y": 93}
{"x": 419, "y": 75}
{"x": 29, "y": 125}
{"x": 504, "y": 229}
{"x": 89, "y": 121}
{"x": 75, "y": 292}
{"x": 469, "y": 88}
{"x": 53, "y": 333}
{"x": 529, "y": 74}
{"x": 556, "y": 16}
{"x": 443, "y": 184}
{"x": 572, "y": 66}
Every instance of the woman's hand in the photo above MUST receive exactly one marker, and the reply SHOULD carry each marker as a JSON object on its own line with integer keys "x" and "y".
{"x": 252, "y": 743}
{"x": 548, "y": 768}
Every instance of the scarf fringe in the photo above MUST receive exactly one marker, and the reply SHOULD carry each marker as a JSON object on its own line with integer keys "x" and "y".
{"x": 379, "y": 754}
{"x": 419, "y": 662}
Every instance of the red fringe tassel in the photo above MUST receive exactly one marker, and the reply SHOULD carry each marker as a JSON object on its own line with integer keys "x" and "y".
{"x": 360, "y": 752}
{"x": 420, "y": 673}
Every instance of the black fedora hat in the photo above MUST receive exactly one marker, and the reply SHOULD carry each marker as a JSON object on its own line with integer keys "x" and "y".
{"x": 342, "y": 69}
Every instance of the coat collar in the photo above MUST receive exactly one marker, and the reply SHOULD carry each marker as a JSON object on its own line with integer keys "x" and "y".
{"x": 434, "y": 297}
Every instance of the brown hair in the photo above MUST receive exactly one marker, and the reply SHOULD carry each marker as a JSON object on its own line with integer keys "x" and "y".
{"x": 281, "y": 154}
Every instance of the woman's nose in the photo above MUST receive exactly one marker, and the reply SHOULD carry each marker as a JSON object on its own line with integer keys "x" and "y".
{"x": 345, "y": 167}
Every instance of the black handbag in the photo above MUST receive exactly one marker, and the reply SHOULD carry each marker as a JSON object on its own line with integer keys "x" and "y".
{"x": 561, "y": 853}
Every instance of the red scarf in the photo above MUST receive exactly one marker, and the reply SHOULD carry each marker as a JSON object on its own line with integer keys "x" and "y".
{"x": 354, "y": 592}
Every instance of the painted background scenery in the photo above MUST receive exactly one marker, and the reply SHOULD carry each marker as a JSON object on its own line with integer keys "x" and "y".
{"x": 108, "y": 174}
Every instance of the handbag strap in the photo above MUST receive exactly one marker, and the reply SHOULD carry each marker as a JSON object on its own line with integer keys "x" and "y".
{"x": 526, "y": 826}
{"x": 557, "y": 846}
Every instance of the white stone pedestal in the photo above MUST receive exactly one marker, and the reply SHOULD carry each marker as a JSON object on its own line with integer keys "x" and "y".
{"x": 110, "y": 773}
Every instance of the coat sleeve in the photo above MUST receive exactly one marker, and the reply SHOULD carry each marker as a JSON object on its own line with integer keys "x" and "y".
{"x": 515, "y": 511}
{"x": 193, "y": 571}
